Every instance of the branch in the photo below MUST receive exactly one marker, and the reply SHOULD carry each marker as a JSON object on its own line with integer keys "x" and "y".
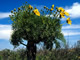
{"x": 23, "y": 43}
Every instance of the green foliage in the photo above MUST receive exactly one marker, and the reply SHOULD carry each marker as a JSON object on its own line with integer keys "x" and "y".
{"x": 30, "y": 27}
{"x": 60, "y": 54}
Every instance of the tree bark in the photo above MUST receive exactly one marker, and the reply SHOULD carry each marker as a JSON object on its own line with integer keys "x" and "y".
{"x": 31, "y": 51}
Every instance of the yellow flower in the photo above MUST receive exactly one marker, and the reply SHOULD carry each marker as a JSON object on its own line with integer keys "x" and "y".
{"x": 60, "y": 8}
{"x": 30, "y": 7}
{"x": 69, "y": 21}
{"x": 53, "y": 6}
{"x": 66, "y": 13}
{"x": 62, "y": 14}
{"x": 36, "y": 12}
{"x": 51, "y": 9}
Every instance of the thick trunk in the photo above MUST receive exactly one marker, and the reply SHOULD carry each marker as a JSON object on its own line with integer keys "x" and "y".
{"x": 22, "y": 58}
{"x": 31, "y": 51}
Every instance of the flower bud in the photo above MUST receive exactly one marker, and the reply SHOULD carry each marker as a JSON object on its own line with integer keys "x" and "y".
{"x": 18, "y": 8}
{"x": 41, "y": 10}
{"x": 24, "y": 6}
{"x": 56, "y": 12}
{"x": 56, "y": 7}
{"x": 12, "y": 11}
{"x": 44, "y": 6}
{"x": 25, "y": 2}
{"x": 48, "y": 9}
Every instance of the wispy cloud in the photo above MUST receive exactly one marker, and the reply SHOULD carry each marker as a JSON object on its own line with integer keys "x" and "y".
{"x": 71, "y": 27}
{"x": 4, "y": 14}
{"x": 74, "y": 10}
{"x": 5, "y": 32}
{"x": 70, "y": 33}
{"x": 68, "y": 30}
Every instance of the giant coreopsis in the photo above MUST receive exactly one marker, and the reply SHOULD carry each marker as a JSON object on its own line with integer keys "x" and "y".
{"x": 34, "y": 26}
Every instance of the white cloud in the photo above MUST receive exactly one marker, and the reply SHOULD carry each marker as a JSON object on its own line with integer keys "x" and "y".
{"x": 5, "y": 32}
{"x": 70, "y": 33}
{"x": 71, "y": 27}
{"x": 4, "y": 14}
{"x": 67, "y": 30}
{"x": 74, "y": 10}
{"x": 49, "y": 15}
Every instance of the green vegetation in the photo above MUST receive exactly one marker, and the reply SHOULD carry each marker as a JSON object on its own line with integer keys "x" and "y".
{"x": 42, "y": 54}
{"x": 34, "y": 27}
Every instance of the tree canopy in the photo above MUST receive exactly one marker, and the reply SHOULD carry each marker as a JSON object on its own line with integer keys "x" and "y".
{"x": 35, "y": 26}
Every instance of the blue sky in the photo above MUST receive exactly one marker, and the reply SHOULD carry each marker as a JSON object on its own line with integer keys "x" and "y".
{"x": 71, "y": 33}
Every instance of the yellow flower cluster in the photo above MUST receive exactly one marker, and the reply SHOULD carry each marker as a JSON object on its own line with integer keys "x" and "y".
{"x": 60, "y": 9}
{"x": 36, "y": 12}
{"x": 52, "y": 8}
{"x": 30, "y": 7}
{"x": 69, "y": 21}
{"x": 63, "y": 13}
